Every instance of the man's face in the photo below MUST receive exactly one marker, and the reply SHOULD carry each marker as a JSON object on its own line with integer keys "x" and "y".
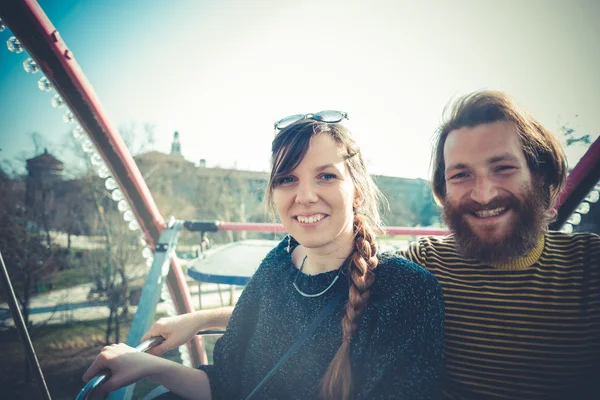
{"x": 491, "y": 204}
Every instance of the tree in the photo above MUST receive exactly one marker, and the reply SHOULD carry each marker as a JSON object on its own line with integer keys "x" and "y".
{"x": 113, "y": 268}
{"x": 425, "y": 212}
{"x": 222, "y": 197}
{"x": 27, "y": 253}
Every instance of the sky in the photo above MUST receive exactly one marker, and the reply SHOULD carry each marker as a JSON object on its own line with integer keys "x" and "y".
{"x": 220, "y": 72}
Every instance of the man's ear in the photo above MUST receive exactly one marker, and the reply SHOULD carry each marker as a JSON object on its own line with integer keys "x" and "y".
{"x": 539, "y": 181}
{"x": 539, "y": 177}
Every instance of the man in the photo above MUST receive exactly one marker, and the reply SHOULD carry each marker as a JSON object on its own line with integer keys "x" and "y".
{"x": 522, "y": 304}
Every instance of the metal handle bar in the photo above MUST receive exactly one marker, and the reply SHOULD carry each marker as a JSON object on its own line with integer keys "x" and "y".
{"x": 211, "y": 332}
{"x": 103, "y": 377}
{"x": 98, "y": 380}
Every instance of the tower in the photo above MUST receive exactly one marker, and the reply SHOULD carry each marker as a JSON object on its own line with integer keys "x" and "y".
{"x": 44, "y": 173}
{"x": 176, "y": 145}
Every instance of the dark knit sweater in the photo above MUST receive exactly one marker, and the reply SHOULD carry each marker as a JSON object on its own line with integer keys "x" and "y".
{"x": 397, "y": 352}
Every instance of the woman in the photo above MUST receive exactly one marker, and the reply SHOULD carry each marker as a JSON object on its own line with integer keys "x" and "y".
{"x": 383, "y": 340}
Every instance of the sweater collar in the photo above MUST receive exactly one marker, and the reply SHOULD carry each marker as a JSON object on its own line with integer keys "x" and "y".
{"x": 526, "y": 261}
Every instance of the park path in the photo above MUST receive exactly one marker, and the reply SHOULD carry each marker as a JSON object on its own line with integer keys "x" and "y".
{"x": 70, "y": 305}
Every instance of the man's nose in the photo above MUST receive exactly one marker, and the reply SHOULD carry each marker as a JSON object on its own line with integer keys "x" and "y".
{"x": 306, "y": 194}
{"x": 484, "y": 191}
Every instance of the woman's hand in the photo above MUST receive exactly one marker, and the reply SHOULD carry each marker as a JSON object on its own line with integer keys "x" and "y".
{"x": 126, "y": 365}
{"x": 175, "y": 330}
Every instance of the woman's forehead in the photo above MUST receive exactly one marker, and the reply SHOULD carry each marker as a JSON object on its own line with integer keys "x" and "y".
{"x": 324, "y": 150}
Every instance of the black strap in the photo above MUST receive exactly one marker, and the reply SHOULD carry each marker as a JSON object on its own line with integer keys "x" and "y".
{"x": 299, "y": 342}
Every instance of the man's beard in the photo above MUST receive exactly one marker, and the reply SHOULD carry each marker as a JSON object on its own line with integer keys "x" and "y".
{"x": 528, "y": 223}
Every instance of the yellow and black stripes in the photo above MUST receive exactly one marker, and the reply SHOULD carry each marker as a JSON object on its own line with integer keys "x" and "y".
{"x": 527, "y": 330}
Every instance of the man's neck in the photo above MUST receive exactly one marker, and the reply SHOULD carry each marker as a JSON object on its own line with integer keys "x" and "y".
{"x": 524, "y": 261}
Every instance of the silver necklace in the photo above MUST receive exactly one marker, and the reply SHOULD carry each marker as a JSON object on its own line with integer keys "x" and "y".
{"x": 315, "y": 294}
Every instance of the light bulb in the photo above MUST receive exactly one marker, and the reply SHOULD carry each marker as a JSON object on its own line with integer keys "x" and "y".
{"x": 44, "y": 84}
{"x": 29, "y": 65}
{"x": 110, "y": 184}
{"x": 57, "y": 101}
{"x": 14, "y": 45}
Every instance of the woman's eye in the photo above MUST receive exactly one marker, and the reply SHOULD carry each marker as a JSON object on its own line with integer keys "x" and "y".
{"x": 328, "y": 177}
{"x": 285, "y": 179}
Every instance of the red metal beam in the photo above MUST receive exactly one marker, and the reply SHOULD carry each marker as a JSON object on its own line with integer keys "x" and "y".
{"x": 579, "y": 183}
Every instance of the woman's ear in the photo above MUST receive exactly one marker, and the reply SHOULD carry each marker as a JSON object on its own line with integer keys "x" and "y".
{"x": 358, "y": 200}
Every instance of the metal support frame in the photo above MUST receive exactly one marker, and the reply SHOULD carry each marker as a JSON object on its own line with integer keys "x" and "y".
{"x": 29, "y": 23}
{"x": 579, "y": 183}
{"x": 15, "y": 310}
{"x": 146, "y": 311}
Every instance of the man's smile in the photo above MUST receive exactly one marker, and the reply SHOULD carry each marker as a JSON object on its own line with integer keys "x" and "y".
{"x": 490, "y": 213}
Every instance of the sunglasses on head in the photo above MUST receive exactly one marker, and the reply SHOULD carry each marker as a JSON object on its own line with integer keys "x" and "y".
{"x": 329, "y": 116}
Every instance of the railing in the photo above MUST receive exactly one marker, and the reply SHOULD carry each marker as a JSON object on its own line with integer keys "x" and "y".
{"x": 143, "y": 347}
{"x": 164, "y": 251}
{"x": 217, "y": 226}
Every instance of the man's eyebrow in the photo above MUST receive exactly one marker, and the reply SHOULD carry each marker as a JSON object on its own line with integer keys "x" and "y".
{"x": 502, "y": 157}
{"x": 456, "y": 166}
{"x": 492, "y": 160}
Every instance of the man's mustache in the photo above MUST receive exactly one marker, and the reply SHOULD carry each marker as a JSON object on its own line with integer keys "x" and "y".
{"x": 470, "y": 206}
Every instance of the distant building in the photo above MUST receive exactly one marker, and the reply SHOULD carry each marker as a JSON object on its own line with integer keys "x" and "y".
{"x": 43, "y": 174}
{"x": 176, "y": 145}
{"x": 410, "y": 200}
{"x": 45, "y": 166}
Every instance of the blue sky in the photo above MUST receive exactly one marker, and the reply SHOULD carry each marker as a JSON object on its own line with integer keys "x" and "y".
{"x": 221, "y": 72}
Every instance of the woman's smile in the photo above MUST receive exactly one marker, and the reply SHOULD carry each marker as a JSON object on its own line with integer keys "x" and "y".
{"x": 311, "y": 219}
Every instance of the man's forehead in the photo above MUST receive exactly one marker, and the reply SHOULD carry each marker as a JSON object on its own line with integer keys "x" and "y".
{"x": 482, "y": 142}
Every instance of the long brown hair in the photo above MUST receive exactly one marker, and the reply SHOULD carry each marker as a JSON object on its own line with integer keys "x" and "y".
{"x": 288, "y": 149}
{"x": 543, "y": 152}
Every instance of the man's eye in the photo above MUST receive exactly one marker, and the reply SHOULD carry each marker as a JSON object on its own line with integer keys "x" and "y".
{"x": 458, "y": 176}
{"x": 504, "y": 168}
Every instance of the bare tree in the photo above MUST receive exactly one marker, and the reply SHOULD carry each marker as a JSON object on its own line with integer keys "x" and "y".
{"x": 137, "y": 142}
{"x": 112, "y": 268}
{"x": 222, "y": 196}
{"x": 26, "y": 251}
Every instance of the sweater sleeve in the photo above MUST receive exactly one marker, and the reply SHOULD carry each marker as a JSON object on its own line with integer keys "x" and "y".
{"x": 415, "y": 253}
{"x": 405, "y": 355}
{"x": 225, "y": 374}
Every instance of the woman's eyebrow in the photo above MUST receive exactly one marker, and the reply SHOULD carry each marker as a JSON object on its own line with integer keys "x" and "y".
{"x": 323, "y": 167}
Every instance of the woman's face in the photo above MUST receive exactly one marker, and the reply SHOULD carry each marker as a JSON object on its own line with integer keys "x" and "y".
{"x": 315, "y": 201}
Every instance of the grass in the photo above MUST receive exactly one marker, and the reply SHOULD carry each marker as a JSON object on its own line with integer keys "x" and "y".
{"x": 64, "y": 353}
{"x": 68, "y": 278}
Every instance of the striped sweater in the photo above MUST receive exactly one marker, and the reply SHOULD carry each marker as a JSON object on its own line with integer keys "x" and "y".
{"x": 525, "y": 330}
